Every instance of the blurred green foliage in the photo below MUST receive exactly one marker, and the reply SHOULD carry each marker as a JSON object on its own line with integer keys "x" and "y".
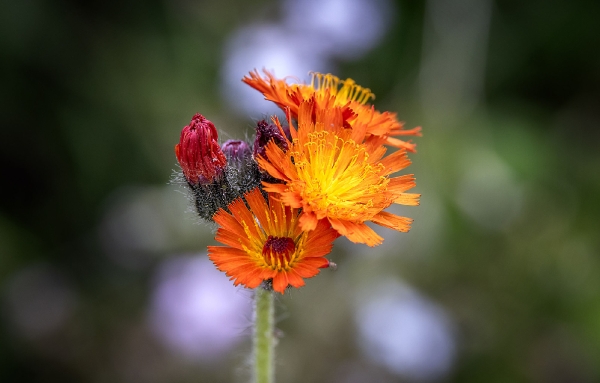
{"x": 506, "y": 240}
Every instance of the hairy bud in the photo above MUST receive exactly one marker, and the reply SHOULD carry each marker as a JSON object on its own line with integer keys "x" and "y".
{"x": 237, "y": 152}
{"x": 198, "y": 152}
{"x": 242, "y": 170}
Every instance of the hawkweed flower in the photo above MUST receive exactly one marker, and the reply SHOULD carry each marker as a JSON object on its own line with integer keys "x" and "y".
{"x": 199, "y": 153}
{"x": 282, "y": 199}
{"x": 264, "y": 242}
{"x": 329, "y": 91}
{"x": 333, "y": 173}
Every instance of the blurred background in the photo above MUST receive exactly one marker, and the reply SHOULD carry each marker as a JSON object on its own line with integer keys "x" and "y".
{"x": 103, "y": 268}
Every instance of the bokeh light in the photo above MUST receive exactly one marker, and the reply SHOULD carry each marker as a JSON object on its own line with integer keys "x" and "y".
{"x": 39, "y": 301}
{"x": 405, "y": 332}
{"x": 103, "y": 276}
{"x": 196, "y": 311}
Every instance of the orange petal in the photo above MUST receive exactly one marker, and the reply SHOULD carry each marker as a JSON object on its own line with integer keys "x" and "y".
{"x": 280, "y": 282}
{"x": 233, "y": 239}
{"x": 294, "y": 279}
{"x": 258, "y": 205}
{"x": 228, "y": 222}
{"x": 402, "y": 183}
{"x": 407, "y": 132}
{"x": 392, "y": 221}
{"x": 402, "y": 144}
{"x": 273, "y": 170}
{"x": 305, "y": 270}
{"x": 410, "y": 199}
{"x": 308, "y": 221}
{"x": 291, "y": 199}
{"x": 242, "y": 214}
{"x": 395, "y": 161}
{"x": 357, "y": 232}
{"x": 316, "y": 262}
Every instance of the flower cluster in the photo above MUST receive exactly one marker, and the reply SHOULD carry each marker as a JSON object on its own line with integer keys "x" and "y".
{"x": 281, "y": 201}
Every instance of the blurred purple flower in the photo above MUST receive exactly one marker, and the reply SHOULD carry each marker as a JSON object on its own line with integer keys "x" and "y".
{"x": 195, "y": 310}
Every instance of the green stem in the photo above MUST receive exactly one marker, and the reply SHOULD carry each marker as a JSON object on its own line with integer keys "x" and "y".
{"x": 263, "y": 337}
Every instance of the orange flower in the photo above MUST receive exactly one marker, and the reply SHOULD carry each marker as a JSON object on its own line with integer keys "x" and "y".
{"x": 267, "y": 243}
{"x": 331, "y": 91}
{"x": 333, "y": 172}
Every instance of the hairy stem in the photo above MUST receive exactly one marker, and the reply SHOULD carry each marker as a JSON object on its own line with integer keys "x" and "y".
{"x": 263, "y": 337}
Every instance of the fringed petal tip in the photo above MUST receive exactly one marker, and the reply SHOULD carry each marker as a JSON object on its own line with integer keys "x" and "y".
{"x": 330, "y": 265}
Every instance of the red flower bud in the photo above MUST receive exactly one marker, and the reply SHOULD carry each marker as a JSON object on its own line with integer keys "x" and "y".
{"x": 199, "y": 153}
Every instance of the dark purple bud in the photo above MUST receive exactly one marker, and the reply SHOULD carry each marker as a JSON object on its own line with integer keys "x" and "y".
{"x": 266, "y": 132}
{"x": 237, "y": 152}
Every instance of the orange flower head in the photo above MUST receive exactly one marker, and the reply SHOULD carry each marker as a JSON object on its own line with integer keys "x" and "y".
{"x": 264, "y": 241}
{"x": 335, "y": 173}
{"x": 329, "y": 91}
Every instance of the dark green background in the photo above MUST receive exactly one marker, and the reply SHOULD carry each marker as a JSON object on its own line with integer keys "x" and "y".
{"x": 94, "y": 94}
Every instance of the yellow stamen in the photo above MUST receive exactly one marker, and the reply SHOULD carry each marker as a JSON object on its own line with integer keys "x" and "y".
{"x": 349, "y": 91}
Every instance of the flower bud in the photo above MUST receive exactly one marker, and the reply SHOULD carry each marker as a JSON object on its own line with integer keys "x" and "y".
{"x": 198, "y": 152}
{"x": 264, "y": 133}
{"x": 237, "y": 152}
{"x": 242, "y": 171}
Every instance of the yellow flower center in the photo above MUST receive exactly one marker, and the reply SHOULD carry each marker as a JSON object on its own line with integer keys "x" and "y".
{"x": 335, "y": 177}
